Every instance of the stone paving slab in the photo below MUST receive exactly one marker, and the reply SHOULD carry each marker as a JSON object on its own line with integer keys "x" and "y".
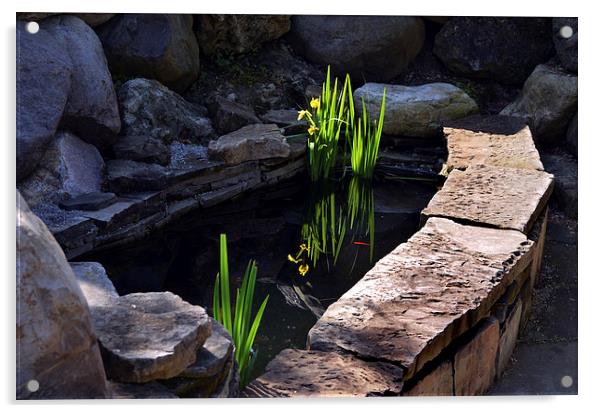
{"x": 424, "y": 294}
{"x": 507, "y": 198}
{"x": 495, "y": 141}
{"x": 302, "y": 373}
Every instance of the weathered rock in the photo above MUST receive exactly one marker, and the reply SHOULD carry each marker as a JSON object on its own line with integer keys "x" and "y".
{"x": 301, "y": 373}
{"x": 229, "y": 116}
{"x": 566, "y": 184}
{"x": 494, "y": 140}
{"x": 415, "y": 110}
{"x": 143, "y": 148}
{"x": 377, "y": 49}
{"x": 43, "y": 85}
{"x": 474, "y": 363}
{"x": 130, "y": 176}
{"x": 572, "y": 137}
{"x": 92, "y": 201}
{"x": 94, "y": 283}
{"x": 70, "y": 167}
{"x": 91, "y": 111}
{"x": 156, "y": 46}
{"x": 501, "y": 197}
{"x": 286, "y": 119}
{"x": 508, "y": 337}
{"x": 415, "y": 301}
{"x": 150, "y": 109}
{"x": 150, "y": 390}
{"x": 238, "y": 33}
{"x": 56, "y": 344}
{"x": 95, "y": 19}
{"x": 566, "y": 48}
{"x": 251, "y": 143}
{"x": 149, "y": 336}
{"x": 505, "y": 49}
{"x": 549, "y": 101}
{"x": 438, "y": 382}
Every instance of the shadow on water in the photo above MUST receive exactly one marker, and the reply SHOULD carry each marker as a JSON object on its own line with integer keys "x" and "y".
{"x": 311, "y": 244}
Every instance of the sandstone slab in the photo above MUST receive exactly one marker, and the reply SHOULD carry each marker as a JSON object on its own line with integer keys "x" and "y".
{"x": 149, "y": 336}
{"x": 507, "y": 198}
{"x": 301, "y": 373}
{"x": 94, "y": 283}
{"x": 474, "y": 362}
{"x": 251, "y": 143}
{"x": 415, "y": 110}
{"x": 424, "y": 294}
{"x": 508, "y": 336}
{"x": 495, "y": 141}
{"x": 438, "y": 382}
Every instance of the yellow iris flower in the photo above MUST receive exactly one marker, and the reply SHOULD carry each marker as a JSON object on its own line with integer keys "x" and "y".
{"x": 302, "y": 114}
{"x": 313, "y": 129}
{"x": 315, "y": 103}
{"x": 303, "y": 268}
{"x": 293, "y": 259}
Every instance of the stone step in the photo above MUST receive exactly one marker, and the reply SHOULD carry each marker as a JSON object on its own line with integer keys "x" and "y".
{"x": 507, "y": 198}
{"x": 424, "y": 294}
{"x": 302, "y": 373}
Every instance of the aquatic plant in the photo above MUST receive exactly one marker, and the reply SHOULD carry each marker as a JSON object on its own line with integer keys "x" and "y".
{"x": 238, "y": 324}
{"x": 360, "y": 210}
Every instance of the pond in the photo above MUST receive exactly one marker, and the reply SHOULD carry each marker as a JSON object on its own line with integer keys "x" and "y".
{"x": 346, "y": 226}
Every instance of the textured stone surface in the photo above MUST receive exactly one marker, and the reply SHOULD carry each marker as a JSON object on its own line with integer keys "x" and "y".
{"x": 142, "y": 148}
{"x": 91, "y": 111}
{"x": 149, "y": 108}
{"x": 495, "y": 141}
{"x": 505, "y": 49}
{"x": 301, "y": 373}
{"x": 424, "y": 294}
{"x": 150, "y": 390}
{"x": 43, "y": 85}
{"x": 156, "y": 46}
{"x": 91, "y": 201}
{"x": 251, "y": 143}
{"x": 566, "y": 183}
{"x": 377, "y": 49}
{"x": 438, "y": 382}
{"x": 474, "y": 362}
{"x": 94, "y": 282}
{"x": 229, "y": 116}
{"x": 501, "y": 197}
{"x": 131, "y": 176}
{"x": 508, "y": 337}
{"x": 566, "y": 48}
{"x": 549, "y": 101}
{"x": 95, "y": 19}
{"x": 149, "y": 336}
{"x": 238, "y": 33}
{"x": 69, "y": 168}
{"x": 415, "y": 110}
{"x": 55, "y": 341}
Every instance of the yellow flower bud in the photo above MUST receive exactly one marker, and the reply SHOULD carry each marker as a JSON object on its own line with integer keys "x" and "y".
{"x": 315, "y": 103}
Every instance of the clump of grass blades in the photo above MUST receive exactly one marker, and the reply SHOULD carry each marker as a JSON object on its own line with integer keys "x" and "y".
{"x": 238, "y": 324}
{"x": 360, "y": 209}
{"x": 325, "y": 118}
{"x": 365, "y": 137}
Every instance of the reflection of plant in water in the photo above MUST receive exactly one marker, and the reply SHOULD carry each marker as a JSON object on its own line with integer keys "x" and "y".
{"x": 360, "y": 209}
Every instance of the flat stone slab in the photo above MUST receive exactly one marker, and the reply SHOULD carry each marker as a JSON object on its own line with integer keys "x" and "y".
{"x": 131, "y": 176}
{"x": 151, "y": 390}
{"x": 89, "y": 202}
{"x": 301, "y": 373}
{"x": 507, "y": 198}
{"x": 495, "y": 141}
{"x": 212, "y": 357}
{"x": 149, "y": 336}
{"x": 424, "y": 294}
{"x": 94, "y": 283}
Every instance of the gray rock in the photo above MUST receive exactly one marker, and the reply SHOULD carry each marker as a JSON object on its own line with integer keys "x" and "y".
{"x": 149, "y": 336}
{"x": 548, "y": 101}
{"x": 415, "y": 110}
{"x": 572, "y": 136}
{"x": 70, "y": 167}
{"x": 369, "y": 48}
{"x": 150, "y": 390}
{"x": 143, "y": 148}
{"x": 238, "y": 33}
{"x": 94, "y": 283}
{"x": 130, "y": 176}
{"x": 91, "y": 111}
{"x": 43, "y": 85}
{"x": 229, "y": 116}
{"x": 566, "y": 183}
{"x": 92, "y": 201}
{"x": 149, "y": 108}
{"x": 505, "y": 49}
{"x": 566, "y": 48}
{"x": 286, "y": 119}
{"x": 95, "y": 19}
{"x": 251, "y": 143}
{"x": 56, "y": 344}
{"x": 156, "y": 46}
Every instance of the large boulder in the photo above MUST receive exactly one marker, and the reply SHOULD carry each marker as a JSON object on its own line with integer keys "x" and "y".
{"x": 157, "y": 46}
{"x": 149, "y": 108}
{"x": 70, "y": 167}
{"x": 57, "y": 351}
{"x": 371, "y": 48}
{"x": 43, "y": 86}
{"x": 505, "y": 49}
{"x": 238, "y": 33}
{"x": 566, "y": 47}
{"x": 415, "y": 110}
{"x": 548, "y": 101}
{"x": 91, "y": 111}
